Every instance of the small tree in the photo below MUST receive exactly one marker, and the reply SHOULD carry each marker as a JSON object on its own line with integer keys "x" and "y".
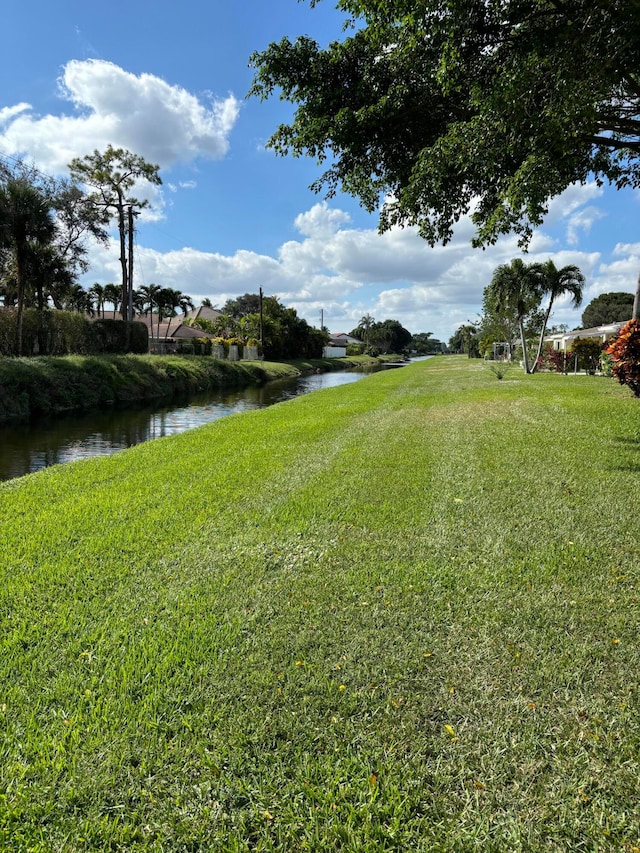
{"x": 625, "y": 355}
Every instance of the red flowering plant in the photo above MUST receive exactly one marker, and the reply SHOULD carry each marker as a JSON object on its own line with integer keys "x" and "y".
{"x": 625, "y": 356}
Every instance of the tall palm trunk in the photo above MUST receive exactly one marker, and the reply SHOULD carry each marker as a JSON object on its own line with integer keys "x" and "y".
{"x": 523, "y": 341}
{"x": 541, "y": 340}
{"x": 20, "y": 289}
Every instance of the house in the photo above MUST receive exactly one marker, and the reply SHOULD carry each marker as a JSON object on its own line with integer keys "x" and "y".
{"x": 337, "y": 346}
{"x": 172, "y": 330}
{"x": 562, "y": 341}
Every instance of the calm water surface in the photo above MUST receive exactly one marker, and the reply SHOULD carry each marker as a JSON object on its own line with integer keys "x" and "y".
{"x": 30, "y": 448}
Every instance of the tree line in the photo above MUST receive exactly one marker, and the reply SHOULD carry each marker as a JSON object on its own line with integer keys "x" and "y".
{"x": 46, "y": 225}
{"x": 252, "y": 318}
{"x": 45, "y": 228}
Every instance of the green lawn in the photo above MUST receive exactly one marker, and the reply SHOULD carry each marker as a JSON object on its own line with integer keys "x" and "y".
{"x": 396, "y": 615}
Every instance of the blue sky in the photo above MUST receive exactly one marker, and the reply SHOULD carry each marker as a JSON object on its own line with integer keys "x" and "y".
{"x": 169, "y": 81}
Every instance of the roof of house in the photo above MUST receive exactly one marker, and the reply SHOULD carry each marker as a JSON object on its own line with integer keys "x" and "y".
{"x": 343, "y": 338}
{"x": 172, "y": 329}
{"x": 607, "y": 330}
{"x": 203, "y": 312}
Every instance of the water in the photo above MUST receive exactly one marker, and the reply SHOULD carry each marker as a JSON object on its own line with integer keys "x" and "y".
{"x": 31, "y": 447}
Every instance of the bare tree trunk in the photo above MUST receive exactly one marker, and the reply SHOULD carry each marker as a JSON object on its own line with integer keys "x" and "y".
{"x": 523, "y": 341}
{"x": 123, "y": 260}
{"x": 636, "y": 303}
{"x": 20, "y": 289}
{"x": 534, "y": 367}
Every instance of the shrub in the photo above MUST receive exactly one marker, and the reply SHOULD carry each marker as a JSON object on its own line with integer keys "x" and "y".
{"x": 556, "y": 360}
{"x": 499, "y": 368}
{"x": 221, "y": 342}
{"x": 625, "y": 356}
{"x": 606, "y": 364}
{"x": 587, "y": 351}
{"x": 52, "y": 332}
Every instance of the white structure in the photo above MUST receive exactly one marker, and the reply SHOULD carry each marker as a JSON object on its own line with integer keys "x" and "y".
{"x": 563, "y": 340}
{"x": 337, "y": 346}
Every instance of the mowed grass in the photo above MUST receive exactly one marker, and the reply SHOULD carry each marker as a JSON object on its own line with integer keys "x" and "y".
{"x": 397, "y": 615}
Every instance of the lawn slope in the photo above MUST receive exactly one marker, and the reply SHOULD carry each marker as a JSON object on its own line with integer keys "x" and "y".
{"x": 396, "y": 615}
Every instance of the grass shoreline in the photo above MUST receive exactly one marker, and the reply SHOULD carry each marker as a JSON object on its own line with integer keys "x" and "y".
{"x": 31, "y": 388}
{"x": 397, "y": 615}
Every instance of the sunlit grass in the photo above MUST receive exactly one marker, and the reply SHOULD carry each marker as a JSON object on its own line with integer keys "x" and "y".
{"x": 397, "y": 615}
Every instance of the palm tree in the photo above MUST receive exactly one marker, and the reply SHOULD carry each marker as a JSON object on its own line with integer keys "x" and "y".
{"x": 516, "y": 289}
{"x": 77, "y": 299}
{"x": 186, "y": 303}
{"x": 558, "y": 282}
{"x": 98, "y": 294}
{"x": 149, "y": 296}
{"x": 26, "y": 223}
{"x": 113, "y": 295}
{"x": 170, "y": 301}
{"x": 364, "y": 327}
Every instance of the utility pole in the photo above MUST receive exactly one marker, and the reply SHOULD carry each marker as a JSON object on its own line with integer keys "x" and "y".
{"x": 261, "y": 328}
{"x": 322, "y": 319}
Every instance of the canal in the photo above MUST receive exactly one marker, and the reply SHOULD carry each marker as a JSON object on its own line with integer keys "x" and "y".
{"x": 31, "y": 447}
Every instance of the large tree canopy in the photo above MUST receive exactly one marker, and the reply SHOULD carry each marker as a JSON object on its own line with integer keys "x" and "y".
{"x": 608, "y": 308}
{"x": 445, "y": 107}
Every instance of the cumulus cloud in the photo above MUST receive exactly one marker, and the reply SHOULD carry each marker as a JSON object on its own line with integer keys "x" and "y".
{"x": 162, "y": 122}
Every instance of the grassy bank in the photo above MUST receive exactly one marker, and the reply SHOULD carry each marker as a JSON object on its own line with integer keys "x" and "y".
{"x": 396, "y": 615}
{"x": 33, "y": 387}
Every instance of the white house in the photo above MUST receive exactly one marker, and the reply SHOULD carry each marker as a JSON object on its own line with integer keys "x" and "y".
{"x": 337, "y": 346}
{"x": 562, "y": 341}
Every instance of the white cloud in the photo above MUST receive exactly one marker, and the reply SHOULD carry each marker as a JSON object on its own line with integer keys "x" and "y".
{"x": 8, "y": 113}
{"x": 569, "y": 201}
{"x": 161, "y": 122}
{"x": 582, "y": 220}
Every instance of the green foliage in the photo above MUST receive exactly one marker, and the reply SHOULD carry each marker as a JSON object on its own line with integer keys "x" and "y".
{"x": 606, "y": 364}
{"x": 465, "y": 340}
{"x": 425, "y": 344}
{"x": 555, "y": 283}
{"x": 608, "y": 308}
{"x": 588, "y": 352}
{"x": 110, "y": 176}
{"x": 111, "y": 336}
{"x": 625, "y": 356}
{"x": 514, "y": 295}
{"x": 65, "y": 332}
{"x": 388, "y": 336}
{"x": 499, "y": 368}
{"x": 430, "y": 107}
{"x": 48, "y": 386}
{"x": 284, "y": 334}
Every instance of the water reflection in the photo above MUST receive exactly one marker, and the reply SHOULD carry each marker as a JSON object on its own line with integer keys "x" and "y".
{"x": 30, "y": 448}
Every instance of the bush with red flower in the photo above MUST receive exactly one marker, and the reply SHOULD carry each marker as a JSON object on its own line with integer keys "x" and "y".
{"x": 625, "y": 355}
